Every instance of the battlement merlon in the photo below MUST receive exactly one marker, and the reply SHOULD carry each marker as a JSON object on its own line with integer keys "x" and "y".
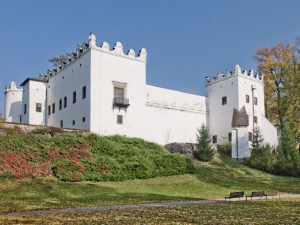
{"x": 13, "y": 87}
{"x": 237, "y": 72}
{"x": 118, "y": 49}
{"x": 81, "y": 48}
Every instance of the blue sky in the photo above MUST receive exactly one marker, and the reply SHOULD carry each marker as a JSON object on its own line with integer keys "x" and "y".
{"x": 185, "y": 40}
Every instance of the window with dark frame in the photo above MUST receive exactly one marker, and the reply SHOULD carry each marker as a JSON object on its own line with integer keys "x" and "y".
{"x": 229, "y": 137}
{"x": 61, "y": 123}
{"x": 224, "y": 100}
{"x": 250, "y": 136}
{"x": 38, "y": 107}
{"x": 74, "y": 97}
{"x": 255, "y": 119}
{"x": 73, "y": 122}
{"x": 215, "y": 139}
{"x": 49, "y": 110}
{"x": 25, "y": 108}
{"x": 83, "y": 119}
{"x": 60, "y": 104}
{"x": 53, "y": 108}
{"x": 255, "y": 100}
{"x": 83, "y": 92}
{"x": 65, "y": 102}
{"x": 247, "y": 99}
{"x": 20, "y": 118}
{"x": 119, "y": 119}
{"x": 119, "y": 92}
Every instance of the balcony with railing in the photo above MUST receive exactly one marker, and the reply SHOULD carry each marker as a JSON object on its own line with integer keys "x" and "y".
{"x": 121, "y": 102}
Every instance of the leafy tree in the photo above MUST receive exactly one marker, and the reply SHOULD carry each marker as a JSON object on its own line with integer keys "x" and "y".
{"x": 204, "y": 152}
{"x": 57, "y": 60}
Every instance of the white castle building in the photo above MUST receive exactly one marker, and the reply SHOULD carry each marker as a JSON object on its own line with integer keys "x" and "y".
{"x": 105, "y": 91}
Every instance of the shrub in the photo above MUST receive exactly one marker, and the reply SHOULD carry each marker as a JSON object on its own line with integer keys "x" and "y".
{"x": 80, "y": 157}
{"x": 225, "y": 149}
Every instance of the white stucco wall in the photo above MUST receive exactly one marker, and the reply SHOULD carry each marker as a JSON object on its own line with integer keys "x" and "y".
{"x": 173, "y": 116}
{"x": 13, "y": 103}
{"x": 269, "y": 131}
{"x": 37, "y": 94}
{"x": 110, "y": 69}
{"x": 242, "y": 151}
{"x": 72, "y": 78}
{"x": 220, "y": 116}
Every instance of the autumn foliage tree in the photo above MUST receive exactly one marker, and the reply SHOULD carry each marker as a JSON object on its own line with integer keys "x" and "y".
{"x": 280, "y": 65}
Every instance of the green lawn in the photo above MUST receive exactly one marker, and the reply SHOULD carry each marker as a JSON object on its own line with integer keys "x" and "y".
{"x": 212, "y": 180}
{"x": 283, "y": 211}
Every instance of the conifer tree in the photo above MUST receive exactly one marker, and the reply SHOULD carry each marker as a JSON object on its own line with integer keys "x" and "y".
{"x": 288, "y": 143}
{"x": 204, "y": 152}
{"x": 257, "y": 140}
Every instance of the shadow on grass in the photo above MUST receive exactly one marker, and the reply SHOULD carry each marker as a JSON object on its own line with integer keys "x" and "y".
{"x": 227, "y": 173}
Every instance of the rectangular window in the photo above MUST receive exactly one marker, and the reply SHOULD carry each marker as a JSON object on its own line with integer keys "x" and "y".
{"x": 255, "y": 119}
{"x": 247, "y": 99}
{"x": 25, "y": 109}
{"x": 83, "y": 119}
{"x": 119, "y": 119}
{"x": 83, "y": 92}
{"x": 74, "y": 97}
{"x": 49, "y": 110}
{"x": 250, "y": 136}
{"x": 255, "y": 101}
{"x": 224, "y": 100}
{"x": 53, "y": 108}
{"x": 60, "y": 104}
{"x": 73, "y": 122}
{"x": 38, "y": 107}
{"x": 229, "y": 137}
{"x": 215, "y": 139}
{"x": 65, "y": 102}
{"x": 20, "y": 118}
{"x": 61, "y": 123}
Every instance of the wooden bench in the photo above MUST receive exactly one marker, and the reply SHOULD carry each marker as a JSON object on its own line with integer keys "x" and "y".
{"x": 260, "y": 194}
{"x": 235, "y": 195}
{"x": 272, "y": 193}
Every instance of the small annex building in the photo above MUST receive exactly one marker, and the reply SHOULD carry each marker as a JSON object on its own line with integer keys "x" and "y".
{"x": 105, "y": 91}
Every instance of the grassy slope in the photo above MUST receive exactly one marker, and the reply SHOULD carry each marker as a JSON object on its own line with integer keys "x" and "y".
{"x": 212, "y": 180}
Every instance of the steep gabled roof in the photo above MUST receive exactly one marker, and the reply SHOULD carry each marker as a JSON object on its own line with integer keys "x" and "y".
{"x": 240, "y": 118}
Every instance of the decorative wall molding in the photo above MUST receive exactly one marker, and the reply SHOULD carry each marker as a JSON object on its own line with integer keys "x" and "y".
{"x": 184, "y": 106}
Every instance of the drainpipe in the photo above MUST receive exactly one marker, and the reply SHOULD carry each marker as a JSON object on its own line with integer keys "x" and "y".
{"x": 237, "y": 142}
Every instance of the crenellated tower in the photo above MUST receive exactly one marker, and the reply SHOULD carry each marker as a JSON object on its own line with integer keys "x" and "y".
{"x": 13, "y": 102}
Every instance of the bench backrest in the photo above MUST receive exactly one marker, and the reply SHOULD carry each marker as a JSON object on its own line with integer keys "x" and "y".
{"x": 237, "y": 194}
{"x": 271, "y": 193}
{"x": 257, "y": 193}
